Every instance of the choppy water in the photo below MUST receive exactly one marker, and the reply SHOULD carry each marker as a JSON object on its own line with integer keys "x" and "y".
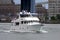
{"x": 53, "y": 33}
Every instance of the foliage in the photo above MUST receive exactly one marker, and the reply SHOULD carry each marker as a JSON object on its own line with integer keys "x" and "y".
{"x": 53, "y": 18}
{"x": 58, "y": 16}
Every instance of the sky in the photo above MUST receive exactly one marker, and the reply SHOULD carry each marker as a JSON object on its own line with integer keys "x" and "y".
{"x": 36, "y": 1}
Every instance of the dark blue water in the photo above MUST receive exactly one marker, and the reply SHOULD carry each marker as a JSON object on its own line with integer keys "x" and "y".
{"x": 53, "y": 34}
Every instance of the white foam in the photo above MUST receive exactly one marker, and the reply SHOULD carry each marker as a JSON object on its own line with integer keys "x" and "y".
{"x": 43, "y": 31}
{"x": 4, "y": 31}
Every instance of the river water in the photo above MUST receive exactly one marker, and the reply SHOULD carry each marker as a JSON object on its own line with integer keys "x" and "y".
{"x": 53, "y": 33}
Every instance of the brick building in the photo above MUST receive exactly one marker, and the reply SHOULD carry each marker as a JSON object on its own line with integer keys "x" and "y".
{"x": 42, "y": 12}
{"x": 8, "y": 9}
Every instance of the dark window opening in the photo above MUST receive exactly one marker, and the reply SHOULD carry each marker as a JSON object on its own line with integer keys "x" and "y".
{"x": 25, "y": 22}
{"x": 21, "y": 22}
{"x": 24, "y": 15}
{"x": 17, "y": 23}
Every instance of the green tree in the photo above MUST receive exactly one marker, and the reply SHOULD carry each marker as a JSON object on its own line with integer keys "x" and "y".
{"x": 58, "y": 16}
{"x": 53, "y": 18}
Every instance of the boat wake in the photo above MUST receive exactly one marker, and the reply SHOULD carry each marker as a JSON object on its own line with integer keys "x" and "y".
{"x": 4, "y": 31}
{"x": 41, "y": 31}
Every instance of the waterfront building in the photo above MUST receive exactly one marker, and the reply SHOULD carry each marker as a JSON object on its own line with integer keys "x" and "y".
{"x": 54, "y": 7}
{"x": 6, "y": 2}
{"x": 8, "y": 9}
{"x": 8, "y": 6}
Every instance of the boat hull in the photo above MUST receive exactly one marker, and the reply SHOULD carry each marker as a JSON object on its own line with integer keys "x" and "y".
{"x": 26, "y": 28}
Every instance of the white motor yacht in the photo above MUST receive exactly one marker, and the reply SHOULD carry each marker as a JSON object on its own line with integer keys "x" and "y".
{"x": 25, "y": 23}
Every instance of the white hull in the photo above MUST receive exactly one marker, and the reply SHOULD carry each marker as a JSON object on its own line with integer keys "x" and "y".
{"x": 25, "y": 28}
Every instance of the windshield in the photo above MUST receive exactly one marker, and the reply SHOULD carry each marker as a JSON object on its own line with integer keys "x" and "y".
{"x": 24, "y": 15}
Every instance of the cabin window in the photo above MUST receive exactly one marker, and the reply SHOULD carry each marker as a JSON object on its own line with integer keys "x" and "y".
{"x": 17, "y": 23}
{"x": 21, "y": 22}
{"x": 24, "y": 22}
{"x": 24, "y": 15}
